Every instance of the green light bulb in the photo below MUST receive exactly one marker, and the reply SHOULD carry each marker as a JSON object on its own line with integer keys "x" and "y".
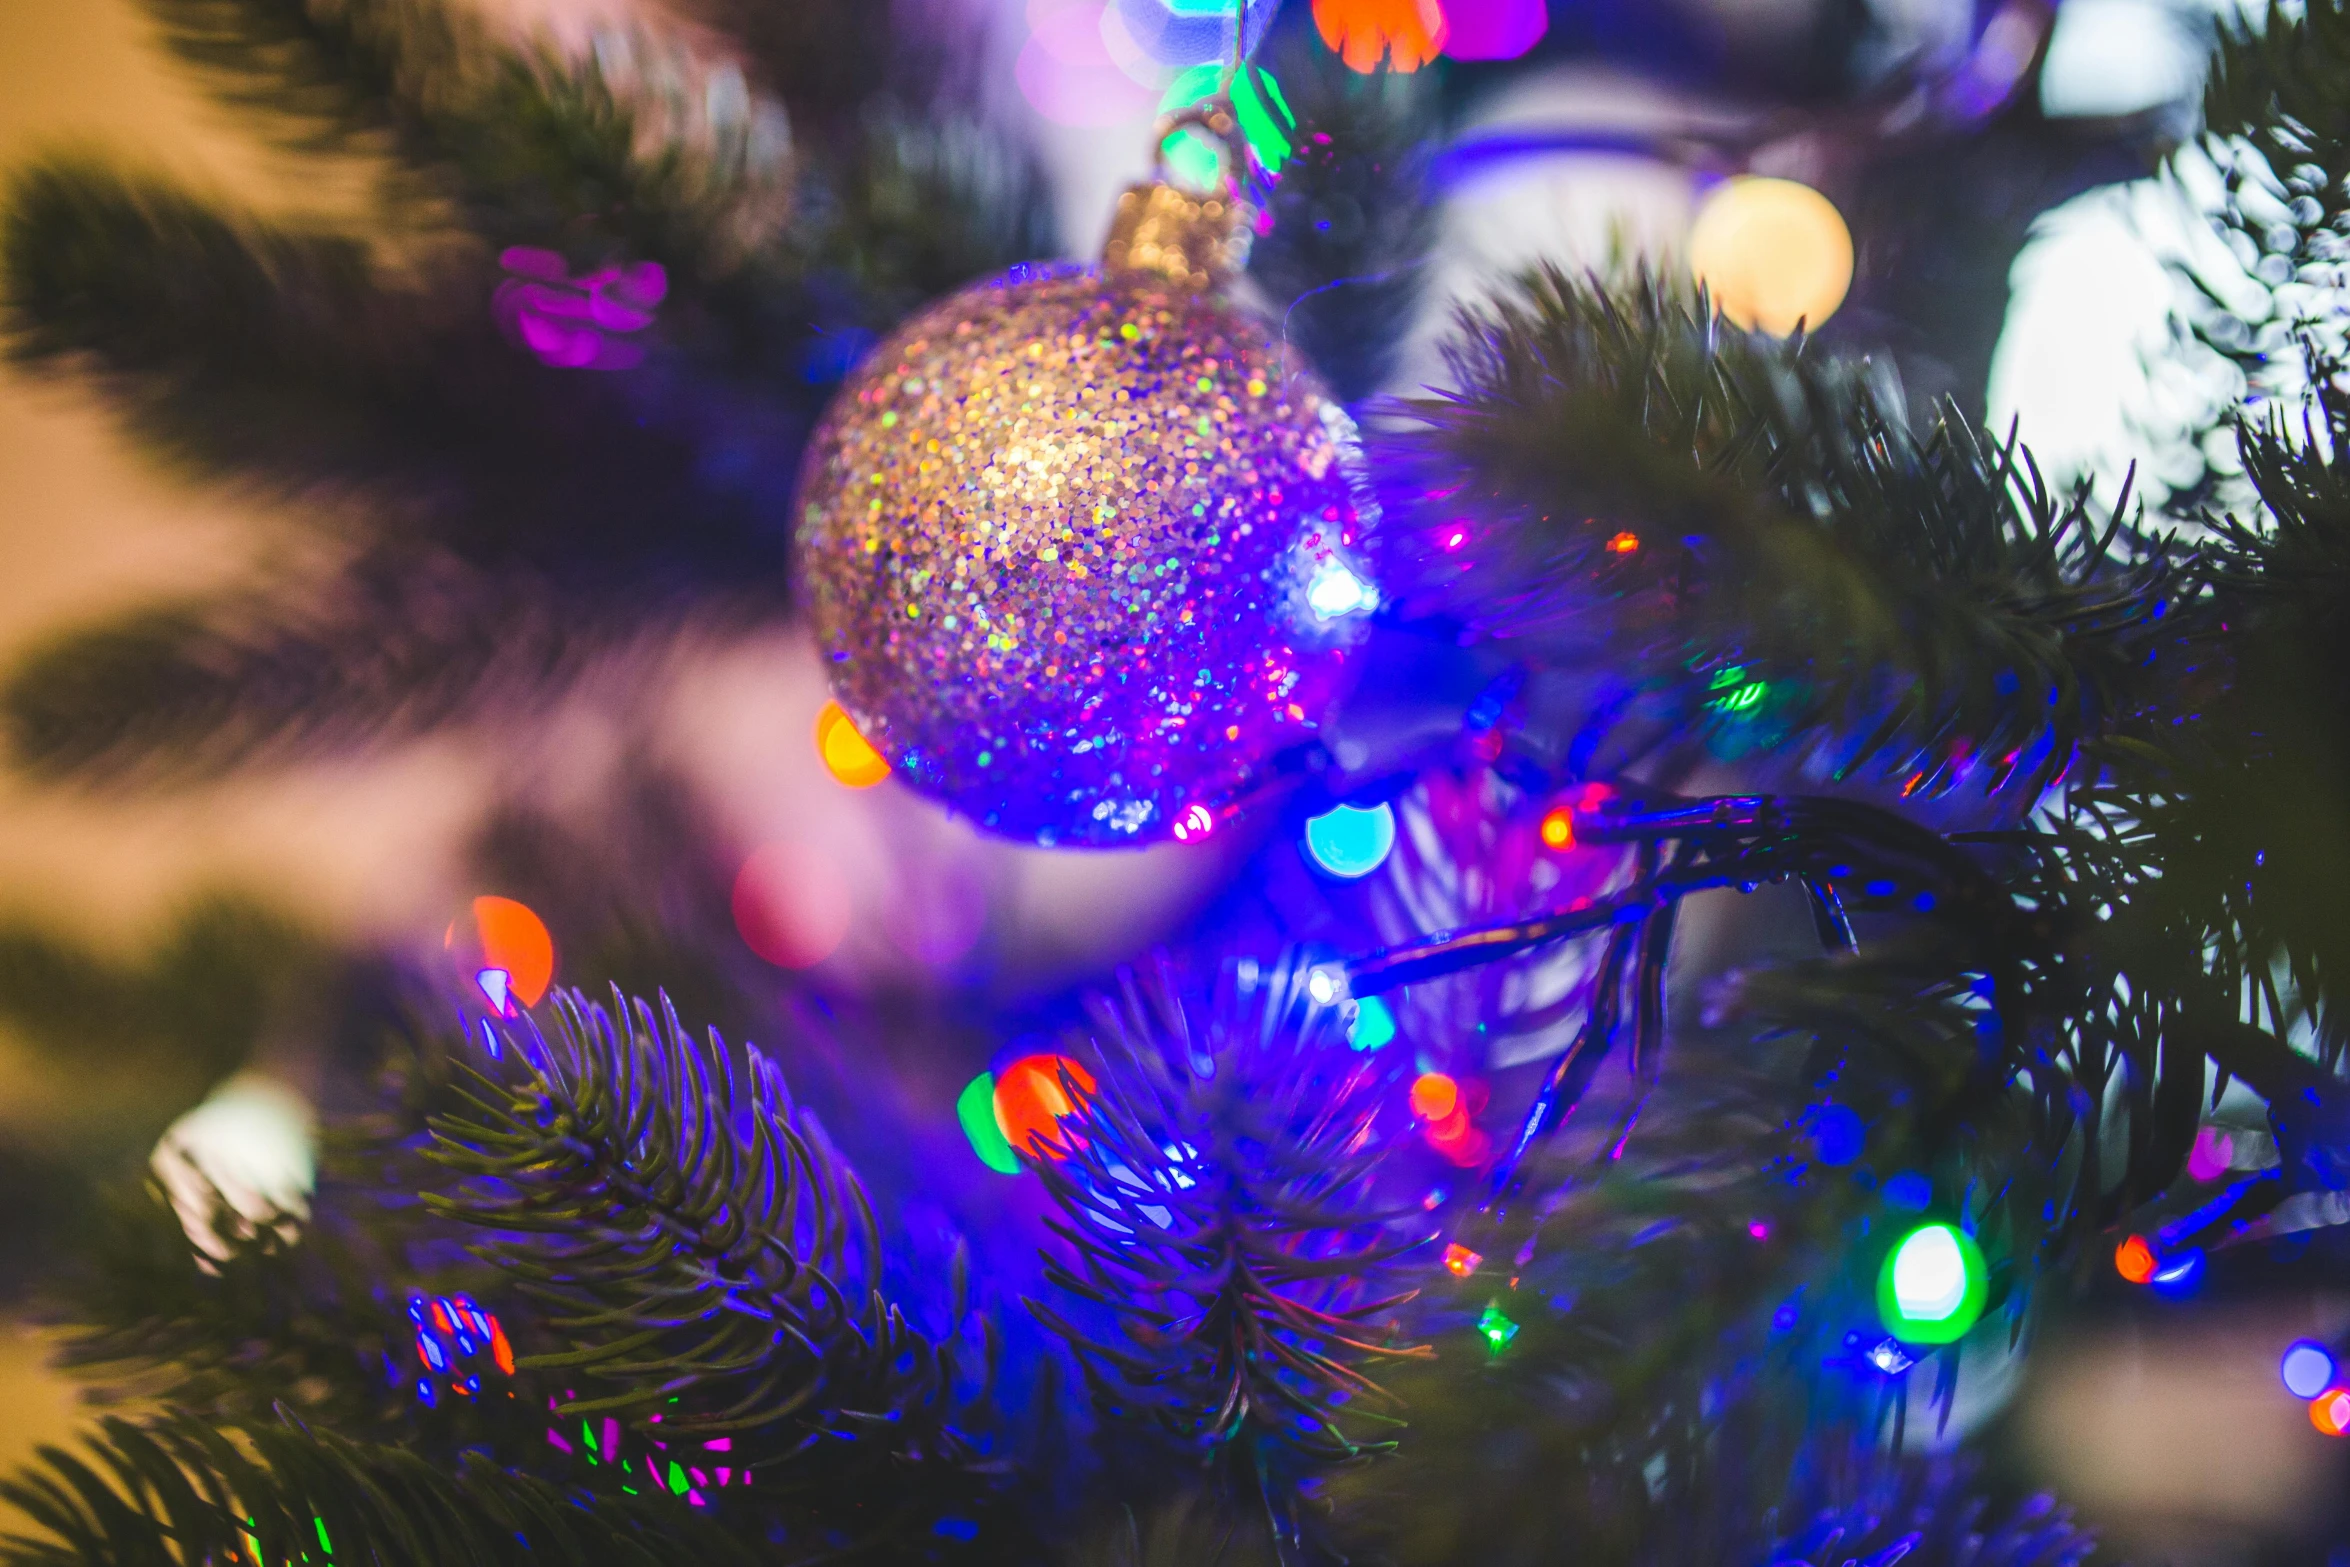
{"x": 1932, "y": 1286}
{"x": 975, "y": 1108}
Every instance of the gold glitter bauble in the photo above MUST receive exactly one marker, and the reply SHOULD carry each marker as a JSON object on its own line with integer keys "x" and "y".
{"x": 1077, "y": 549}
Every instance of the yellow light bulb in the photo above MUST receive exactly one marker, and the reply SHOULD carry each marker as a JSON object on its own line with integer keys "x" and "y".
{"x": 848, "y": 755}
{"x": 1774, "y": 253}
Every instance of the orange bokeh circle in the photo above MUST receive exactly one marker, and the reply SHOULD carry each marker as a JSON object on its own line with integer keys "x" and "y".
{"x": 509, "y": 937}
{"x": 847, "y": 754}
{"x": 1030, "y": 1100}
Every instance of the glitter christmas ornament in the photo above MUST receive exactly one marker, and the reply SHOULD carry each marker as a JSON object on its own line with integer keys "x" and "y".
{"x": 1072, "y": 540}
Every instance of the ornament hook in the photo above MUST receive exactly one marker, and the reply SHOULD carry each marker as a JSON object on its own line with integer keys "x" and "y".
{"x": 1196, "y": 240}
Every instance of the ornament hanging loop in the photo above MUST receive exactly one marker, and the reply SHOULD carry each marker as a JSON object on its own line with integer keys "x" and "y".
{"x": 1196, "y": 240}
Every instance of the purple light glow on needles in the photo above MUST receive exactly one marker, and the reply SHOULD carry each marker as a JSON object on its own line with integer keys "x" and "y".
{"x": 2213, "y": 1155}
{"x": 574, "y": 323}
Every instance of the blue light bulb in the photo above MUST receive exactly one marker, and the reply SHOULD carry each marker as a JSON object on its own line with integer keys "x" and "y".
{"x": 2307, "y": 1368}
{"x": 1349, "y": 842}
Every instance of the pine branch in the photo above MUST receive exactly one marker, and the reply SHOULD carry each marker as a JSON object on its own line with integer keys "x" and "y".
{"x": 651, "y": 159}
{"x": 1618, "y": 480}
{"x": 224, "y": 339}
{"x": 1865, "y": 1506}
{"x": 2280, "y": 83}
{"x": 291, "y": 357}
{"x": 304, "y": 1311}
{"x": 177, "y": 1490}
{"x": 331, "y": 75}
{"x": 705, "y": 1257}
{"x": 1192, "y": 1531}
{"x": 1351, "y": 218}
{"x": 1611, "y": 1348}
{"x": 832, "y": 63}
{"x": 1213, "y": 1193}
{"x": 191, "y": 1008}
{"x": 170, "y": 695}
{"x": 924, "y": 204}
{"x": 264, "y": 1317}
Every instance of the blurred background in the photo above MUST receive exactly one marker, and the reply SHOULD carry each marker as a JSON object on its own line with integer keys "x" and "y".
{"x": 2014, "y": 241}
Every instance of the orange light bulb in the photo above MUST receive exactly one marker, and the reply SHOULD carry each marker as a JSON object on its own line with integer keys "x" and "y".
{"x": 1434, "y": 1096}
{"x": 1558, "y": 829}
{"x": 2133, "y": 1259}
{"x": 1031, "y": 1100}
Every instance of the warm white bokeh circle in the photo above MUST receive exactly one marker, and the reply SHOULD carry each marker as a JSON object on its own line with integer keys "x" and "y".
{"x": 1774, "y": 253}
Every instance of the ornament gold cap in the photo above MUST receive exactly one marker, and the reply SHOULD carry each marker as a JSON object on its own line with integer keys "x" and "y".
{"x": 1194, "y": 240}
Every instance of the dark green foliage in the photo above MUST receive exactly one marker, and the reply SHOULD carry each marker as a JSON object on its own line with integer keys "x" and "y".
{"x": 676, "y": 1244}
{"x": 228, "y": 1337}
{"x": 292, "y": 358}
{"x": 185, "y": 693}
{"x": 180, "y": 1491}
{"x": 1657, "y": 1344}
{"x": 152, "y": 289}
{"x": 1352, "y": 221}
{"x": 1216, "y": 1194}
{"x": 701, "y": 1253}
{"x": 526, "y": 147}
{"x": 1915, "y": 602}
{"x": 480, "y": 492}
{"x": 300, "y": 1314}
{"x": 1860, "y": 1506}
{"x": 191, "y": 1008}
{"x": 2279, "y": 87}
{"x": 107, "y": 1049}
{"x": 1187, "y": 1533}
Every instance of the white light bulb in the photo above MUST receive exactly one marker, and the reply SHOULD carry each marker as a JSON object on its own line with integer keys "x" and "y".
{"x": 1337, "y": 591}
{"x": 252, "y": 1142}
{"x": 1929, "y": 1276}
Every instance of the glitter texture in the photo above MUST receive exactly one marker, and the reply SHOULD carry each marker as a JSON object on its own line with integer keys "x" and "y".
{"x": 1060, "y": 538}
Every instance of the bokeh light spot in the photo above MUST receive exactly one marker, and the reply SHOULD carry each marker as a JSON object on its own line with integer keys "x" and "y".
{"x": 2307, "y": 1368}
{"x": 848, "y": 755}
{"x": 1624, "y": 544}
{"x": 2133, "y": 1259}
{"x": 505, "y": 936}
{"x": 2330, "y": 1411}
{"x": 253, "y": 1143}
{"x": 1031, "y": 1099}
{"x": 975, "y": 1108}
{"x": 1349, "y": 841}
{"x": 1558, "y": 829}
{"x": 1405, "y": 33}
{"x": 1265, "y": 123}
{"x": 1435, "y": 1096}
{"x": 1373, "y": 1025}
{"x": 1775, "y": 254}
{"x": 791, "y": 904}
{"x": 1493, "y": 29}
{"x": 1839, "y": 1134}
{"x": 2213, "y": 1155}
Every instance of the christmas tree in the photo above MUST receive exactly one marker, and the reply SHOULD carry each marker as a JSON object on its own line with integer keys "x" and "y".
{"x": 1422, "y": 1200}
